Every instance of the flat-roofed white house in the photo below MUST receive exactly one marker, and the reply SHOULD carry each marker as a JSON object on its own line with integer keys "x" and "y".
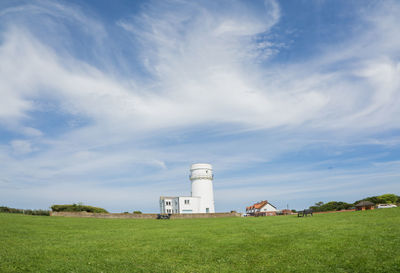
{"x": 202, "y": 198}
{"x": 180, "y": 204}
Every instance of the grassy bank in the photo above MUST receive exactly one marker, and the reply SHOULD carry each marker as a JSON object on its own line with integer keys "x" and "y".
{"x": 337, "y": 242}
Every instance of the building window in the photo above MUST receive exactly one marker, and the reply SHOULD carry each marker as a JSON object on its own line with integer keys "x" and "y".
{"x": 186, "y": 202}
{"x": 168, "y": 203}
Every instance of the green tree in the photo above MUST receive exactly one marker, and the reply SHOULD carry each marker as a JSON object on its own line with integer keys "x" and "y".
{"x": 388, "y": 198}
{"x": 382, "y": 199}
{"x": 331, "y": 206}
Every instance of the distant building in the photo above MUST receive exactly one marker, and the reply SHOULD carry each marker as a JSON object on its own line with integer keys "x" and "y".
{"x": 261, "y": 208}
{"x": 202, "y": 198}
{"x": 286, "y": 212}
{"x": 365, "y": 205}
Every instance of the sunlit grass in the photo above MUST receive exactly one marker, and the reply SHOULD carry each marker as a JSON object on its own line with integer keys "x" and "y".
{"x": 337, "y": 242}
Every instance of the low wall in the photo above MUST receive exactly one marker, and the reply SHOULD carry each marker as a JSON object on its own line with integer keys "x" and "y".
{"x": 206, "y": 215}
{"x": 144, "y": 215}
{"x": 334, "y": 211}
{"x": 104, "y": 215}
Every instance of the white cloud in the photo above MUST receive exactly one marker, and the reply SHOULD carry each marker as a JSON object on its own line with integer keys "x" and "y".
{"x": 21, "y": 146}
{"x": 203, "y": 74}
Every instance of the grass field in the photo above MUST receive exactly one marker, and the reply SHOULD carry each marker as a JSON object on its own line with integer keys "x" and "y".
{"x": 337, "y": 242}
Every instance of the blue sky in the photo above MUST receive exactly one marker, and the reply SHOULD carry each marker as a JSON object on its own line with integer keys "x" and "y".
{"x": 109, "y": 103}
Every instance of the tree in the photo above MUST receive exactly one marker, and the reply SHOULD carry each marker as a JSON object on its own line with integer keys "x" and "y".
{"x": 331, "y": 206}
{"x": 382, "y": 199}
{"x": 388, "y": 198}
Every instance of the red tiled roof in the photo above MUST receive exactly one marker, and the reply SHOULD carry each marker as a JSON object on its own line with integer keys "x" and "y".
{"x": 258, "y": 205}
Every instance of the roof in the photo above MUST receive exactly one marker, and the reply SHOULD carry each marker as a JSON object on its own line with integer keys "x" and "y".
{"x": 260, "y": 204}
{"x": 173, "y": 197}
{"x": 167, "y": 197}
{"x": 365, "y": 203}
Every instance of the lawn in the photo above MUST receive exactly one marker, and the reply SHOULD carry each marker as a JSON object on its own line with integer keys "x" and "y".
{"x": 367, "y": 241}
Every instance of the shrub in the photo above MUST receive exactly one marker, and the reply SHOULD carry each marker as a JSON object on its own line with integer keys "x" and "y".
{"x": 331, "y": 206}
{"x": 25, "y": 211}
{"x": 388, "y": 198}
{"x": 382, "y": 199}
{"x": 11, "y": 210}
{"x": 37, "y": 212}
{"x": 137, "y": 212}
{"x": 77, "y": 208}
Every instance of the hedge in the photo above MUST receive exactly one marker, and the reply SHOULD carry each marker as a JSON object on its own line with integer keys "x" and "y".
{"x": 25, "y": 211}
{"x": 77, "y": 208}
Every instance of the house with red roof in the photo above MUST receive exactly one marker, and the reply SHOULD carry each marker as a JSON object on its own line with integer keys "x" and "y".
{"x": 262, "y": 208}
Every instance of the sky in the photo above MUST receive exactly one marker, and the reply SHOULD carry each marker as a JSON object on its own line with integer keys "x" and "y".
{"x": 108, "y": 103}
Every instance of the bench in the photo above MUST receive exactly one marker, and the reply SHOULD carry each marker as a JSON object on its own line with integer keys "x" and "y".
{"x": 305, "y": 213}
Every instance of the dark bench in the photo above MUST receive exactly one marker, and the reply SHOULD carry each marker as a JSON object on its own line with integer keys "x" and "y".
{"x": 305, "y": 213}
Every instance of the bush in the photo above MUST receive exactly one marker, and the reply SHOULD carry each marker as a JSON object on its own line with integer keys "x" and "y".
{"x": 25, "y": 211}
{"x": 77, "y": 208}
{"x": 331, "y": 206}
{"x": 388, "y": 198}
{"x": 137, "y": 212}
{"x": 37, "y": 212}
{"x": 11, "y": 210}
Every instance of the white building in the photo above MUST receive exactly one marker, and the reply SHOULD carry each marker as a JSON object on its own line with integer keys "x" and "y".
{"x": 262, "y": 207}
{"x": 202, "y": 195}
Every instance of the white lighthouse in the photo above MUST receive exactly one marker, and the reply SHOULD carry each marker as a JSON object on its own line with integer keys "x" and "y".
{"x": 202, "y": 196}
{"x": 202, "y": 176}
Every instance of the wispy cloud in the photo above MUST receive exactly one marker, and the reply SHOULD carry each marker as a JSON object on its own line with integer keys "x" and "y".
{"x": 208, "y": 88}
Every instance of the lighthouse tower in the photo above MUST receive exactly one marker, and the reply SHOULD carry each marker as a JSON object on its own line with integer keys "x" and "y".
{"x": 202, "y": 186}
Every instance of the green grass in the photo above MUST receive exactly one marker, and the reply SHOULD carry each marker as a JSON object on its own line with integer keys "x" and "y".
{"x": 338, "y": 242}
